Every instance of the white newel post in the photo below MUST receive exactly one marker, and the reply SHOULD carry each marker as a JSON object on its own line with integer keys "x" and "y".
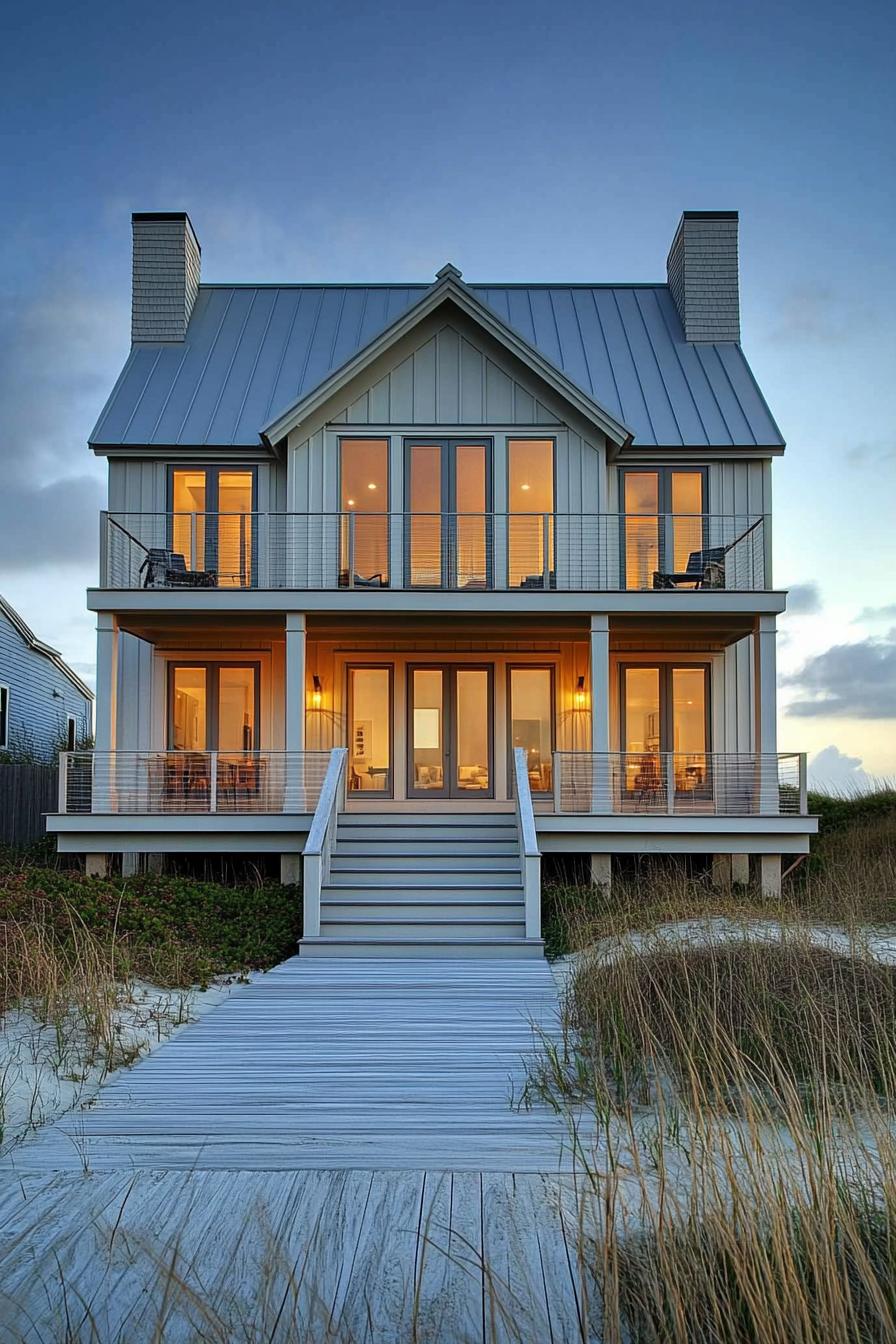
{"x": 765, "y": 699}
{"x": 600, "y": 713}
{"x": 295, "y": 709}
{"x": 106, "y": 710}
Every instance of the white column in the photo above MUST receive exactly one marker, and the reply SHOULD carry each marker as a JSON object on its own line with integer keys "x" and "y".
{"x": 106, "y": 681}
{"x": 294, "y": 717}
{"x": 765, "y": 693}
{"x": 600, "y": 713}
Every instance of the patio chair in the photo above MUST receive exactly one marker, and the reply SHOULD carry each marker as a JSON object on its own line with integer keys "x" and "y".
{"x": 168, "y": 569}
{"x": 705, "y": 569}
{"x": 362, "y": 581}
{"x": 537, "y": 581}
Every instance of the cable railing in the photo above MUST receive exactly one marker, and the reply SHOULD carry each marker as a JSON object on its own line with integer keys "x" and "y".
{"x": 680, "y": 784}
{"x": 133, "y": 783}
{"x": 472, "y": 552}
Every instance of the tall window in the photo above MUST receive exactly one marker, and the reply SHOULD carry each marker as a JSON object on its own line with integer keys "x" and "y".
{"x": 448, "y": 494}
{"x": 530, "y": 502}
{"x": 213, "y": 707}
{"x": 531, "y": 705}
{"x": 665, "y": 709}
{"x": 71, "y": 733}
{"x": 211, "y": 524}
{"x": 4, "y": 716}
{"x": 664, "y": 523}
{"x": 364, "y": 508}
{"x": 370, "y": 718}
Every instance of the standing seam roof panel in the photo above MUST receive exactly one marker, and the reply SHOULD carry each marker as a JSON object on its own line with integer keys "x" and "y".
{"x": 252, "y": 351}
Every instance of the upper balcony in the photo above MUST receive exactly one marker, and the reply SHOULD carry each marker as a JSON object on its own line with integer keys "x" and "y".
{"x": 468, "y": 552}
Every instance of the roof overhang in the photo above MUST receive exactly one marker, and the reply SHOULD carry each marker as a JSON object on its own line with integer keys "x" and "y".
{"x": 449, "y": 289}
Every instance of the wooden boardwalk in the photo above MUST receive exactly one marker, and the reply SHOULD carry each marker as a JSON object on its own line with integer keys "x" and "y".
{"x": 349, "y": 1063}
{"x": 332, "y": 1154}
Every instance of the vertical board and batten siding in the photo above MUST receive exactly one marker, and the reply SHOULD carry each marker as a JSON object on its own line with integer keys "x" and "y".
{"x": 41, "y": 697}
{"x": 447, "y": 381}
{"x": 140, "y": 485}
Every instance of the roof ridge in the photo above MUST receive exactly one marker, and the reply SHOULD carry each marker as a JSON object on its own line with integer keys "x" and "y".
{"x": 422, "y": 284}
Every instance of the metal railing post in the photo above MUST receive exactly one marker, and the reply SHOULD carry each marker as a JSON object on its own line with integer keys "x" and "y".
{"x": 63, "y": 781}
{"x": 213, "y": 782}
{"x": 804, "y": 785}
{"x": 670, "y": 783}
{"x": 351, "y": 550}
{"x": 546, "y": 550}
{"x": 558, "y": 792}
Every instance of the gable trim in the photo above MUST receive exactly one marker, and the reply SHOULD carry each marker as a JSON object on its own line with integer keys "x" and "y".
{"x": 448, "y": 289}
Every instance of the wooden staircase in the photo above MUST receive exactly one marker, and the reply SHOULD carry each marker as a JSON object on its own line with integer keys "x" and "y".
{"x": 423, "y": 885}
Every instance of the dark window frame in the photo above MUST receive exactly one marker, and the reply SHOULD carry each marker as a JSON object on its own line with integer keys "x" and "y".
{"x": 212, "y": 698}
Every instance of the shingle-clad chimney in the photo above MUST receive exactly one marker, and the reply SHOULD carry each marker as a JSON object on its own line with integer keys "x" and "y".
{"x": 166, "y": 276}
{"x": 702, "y": 272}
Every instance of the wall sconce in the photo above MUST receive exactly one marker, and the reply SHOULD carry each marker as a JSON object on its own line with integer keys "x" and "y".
{"x": 581, "y": 695}
{"x": 317, "y": 692}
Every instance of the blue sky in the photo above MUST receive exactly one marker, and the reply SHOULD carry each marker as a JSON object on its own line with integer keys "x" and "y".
{"x": 521, "y": 141}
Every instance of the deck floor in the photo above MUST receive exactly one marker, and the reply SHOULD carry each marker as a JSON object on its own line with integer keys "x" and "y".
{"x": 335, "y": 1143}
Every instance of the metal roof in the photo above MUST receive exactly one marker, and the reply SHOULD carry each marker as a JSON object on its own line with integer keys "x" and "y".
{"x": 252, "y": 351}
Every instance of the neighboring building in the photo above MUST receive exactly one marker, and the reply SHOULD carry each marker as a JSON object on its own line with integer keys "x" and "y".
{"x": 44, "y": 706}
{"x": 475, "y": 571}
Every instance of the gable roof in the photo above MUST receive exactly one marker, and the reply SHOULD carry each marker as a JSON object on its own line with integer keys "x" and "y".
{"x": 38, "y": 646}
{"x": 253, "y": 351}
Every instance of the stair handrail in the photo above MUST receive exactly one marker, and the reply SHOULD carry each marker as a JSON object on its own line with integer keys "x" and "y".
{"x": 321, "y": 839}
{"x": 530, "y": 854}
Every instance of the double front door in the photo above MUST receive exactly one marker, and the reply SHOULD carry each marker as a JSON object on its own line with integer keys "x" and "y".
{"x": 449, "y": 736}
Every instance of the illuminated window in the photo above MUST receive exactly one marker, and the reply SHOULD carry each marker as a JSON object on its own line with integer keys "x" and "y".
{"x": 211, "y": 522}
{"x": 364, "y": 506}
{"x": 213, "y": 707}
{"x": 530, "y": 502}
{"x": 664, "y": 522}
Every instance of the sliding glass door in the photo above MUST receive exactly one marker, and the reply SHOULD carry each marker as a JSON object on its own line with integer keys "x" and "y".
{"x": 370, "y": 723}
{"x": 664, "y": 524}
{"x": 211, "y": 522}
{"x": 213, "y": 707}
{"x": 665, "y": 719}
{"x": 450, "y": 748}
{"x": 448, "y": 498}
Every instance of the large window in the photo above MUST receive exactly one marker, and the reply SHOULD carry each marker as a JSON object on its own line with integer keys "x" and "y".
{"x": 364, "y": 508}
{"x": 448, "y": 497}
{"x": 531, "y": 710}
{"x": 370, "y": 720}
{"x": 665, "y": 717}
{"x": 664, "y": 523}
{"x": 213, "y": 707}
{"x": 211, "y": 523}
{"x": 530, "y": 502}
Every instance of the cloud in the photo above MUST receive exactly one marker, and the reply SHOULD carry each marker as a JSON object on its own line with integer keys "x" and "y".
{"x": 832, "y": 769}
{"x": 849, "y": 680}
{"x": 816, "y": 315}
{"x": 803, "y": 599}
{"x": 875, "y": 614}
{"x": 50, "y": 524}
{"x": 875, "y": 454}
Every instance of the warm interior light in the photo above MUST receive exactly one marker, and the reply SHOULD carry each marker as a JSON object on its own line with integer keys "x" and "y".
{"x": 317, "y": 692}
{"x": 351, "y": 503}
{"x": 371, "y": 485}
{"x": 525, "y": 485}
{"x": 581, "y": 696}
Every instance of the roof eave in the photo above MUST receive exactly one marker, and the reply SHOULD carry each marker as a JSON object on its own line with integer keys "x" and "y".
{"x": 448, "y": 287}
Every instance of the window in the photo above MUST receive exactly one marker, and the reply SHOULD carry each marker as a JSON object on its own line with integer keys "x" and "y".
{"x": 370, "y": 718}
{"x": 71, "y": 733}
{"x": 4, "y": 716}
{"x": 364, "y": 508}
{"x": 665, "y": 709}
{"x": 213, "y": 707}
{"x": 531, "y": 709}
{"x": 530, "y": 502}
{"x": 211, "y": 521}
{"x": 664, "y": 522}
{"x": 448, "y": 497}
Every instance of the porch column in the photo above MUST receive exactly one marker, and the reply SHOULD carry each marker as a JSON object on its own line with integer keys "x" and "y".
{"x": 106, "y": 711}
{"x": 600, "y": 713}
{"x": 295, "y": 681}
{"x": 765, "y": 692}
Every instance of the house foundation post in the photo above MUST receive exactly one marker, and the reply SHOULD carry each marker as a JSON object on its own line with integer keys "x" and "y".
{"x": 740, "y": 870}
{"x": 130, "y": 865}
{"x": 722, "y": 876}
{"x": 96, "y": 865}
{"x": 770, "y": 874}
{"x": 290, "y": 869}
{"x": 601, "y": 871}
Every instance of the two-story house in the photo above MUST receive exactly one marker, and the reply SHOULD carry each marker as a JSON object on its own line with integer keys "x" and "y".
{"x": 422, "y": 581}
{"x": 44, "y": 704}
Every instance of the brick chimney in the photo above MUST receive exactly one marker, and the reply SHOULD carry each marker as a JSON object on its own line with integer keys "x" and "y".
{"x": 166, "y": 276}
{"x": 702, "y": 272}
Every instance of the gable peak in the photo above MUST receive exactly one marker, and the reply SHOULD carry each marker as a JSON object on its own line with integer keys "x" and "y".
{"x": 449, "y": 272}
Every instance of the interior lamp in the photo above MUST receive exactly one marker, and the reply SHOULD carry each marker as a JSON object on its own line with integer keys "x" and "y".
{"x": 317, "y": 692}
{"x": 581, "y": 695}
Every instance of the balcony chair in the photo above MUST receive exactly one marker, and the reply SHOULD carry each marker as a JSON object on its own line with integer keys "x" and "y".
{"x": 168, "y": 569}
{"x": 360, "y": 581}
{"x": 705, "y": 569}
{"x": 537, "y": 581}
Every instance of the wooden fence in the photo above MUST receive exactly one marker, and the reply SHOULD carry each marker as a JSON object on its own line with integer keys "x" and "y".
{"x": 27, "y": 792}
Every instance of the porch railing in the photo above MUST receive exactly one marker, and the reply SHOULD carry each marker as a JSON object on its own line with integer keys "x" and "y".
{"x": 133, "y": 783}
{"x": 530, "y": 854}
{"x": 322, "y": 840}
{"x": 516, "y": 552}
{"x": 680, "y": 784}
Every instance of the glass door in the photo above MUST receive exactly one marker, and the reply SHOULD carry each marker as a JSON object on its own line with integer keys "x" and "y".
{"x": 370, "y": 722}
{"x": 450, "y": 747}
{"x": 213, "y": 707}
{"x": 665, "y": 718}
{"x": 531, "y": 710}
{"x": 211, "y": 523}
{"x": 664, "y": 526}
{"x": 448, "y": 498}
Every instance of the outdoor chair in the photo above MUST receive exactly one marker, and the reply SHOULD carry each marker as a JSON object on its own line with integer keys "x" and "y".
{"x": 537, "y": 581}
{"x": 168, "y": 569}
{"x": 705, "y": 569}
{"x": 360, "y": 581}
